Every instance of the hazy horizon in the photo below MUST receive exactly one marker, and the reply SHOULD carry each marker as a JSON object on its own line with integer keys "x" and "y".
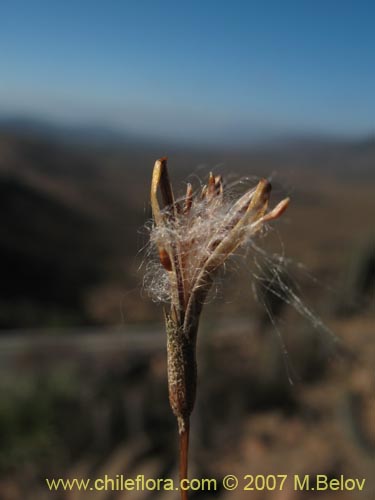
{"x": 84, "y": 131}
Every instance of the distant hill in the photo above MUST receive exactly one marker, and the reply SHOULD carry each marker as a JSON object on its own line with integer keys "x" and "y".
{"x": 71, "y": 134}
{"x": 349, "y": 158}
{"x": 72, "y": 213}
{"x": 63, "y": 225}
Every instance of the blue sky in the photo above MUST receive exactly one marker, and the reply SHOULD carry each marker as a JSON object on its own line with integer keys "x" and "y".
{"x": 197, "y": 70}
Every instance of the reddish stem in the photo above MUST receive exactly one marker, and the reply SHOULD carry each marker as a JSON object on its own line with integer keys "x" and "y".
{"x": 184, "y": 451}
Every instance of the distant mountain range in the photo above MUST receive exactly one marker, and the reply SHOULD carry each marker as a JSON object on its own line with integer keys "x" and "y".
{"x": 73, "y": 198}
{"x": 70, "y": 133}
{"x": 108, "y": 135}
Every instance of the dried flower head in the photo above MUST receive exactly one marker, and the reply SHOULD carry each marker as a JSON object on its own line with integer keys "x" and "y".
{"x": 197, "y": 234}
{"x": 194, "y": 237}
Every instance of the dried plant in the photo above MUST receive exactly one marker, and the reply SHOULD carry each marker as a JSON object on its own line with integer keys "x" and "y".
{"x": 194, "y": 237}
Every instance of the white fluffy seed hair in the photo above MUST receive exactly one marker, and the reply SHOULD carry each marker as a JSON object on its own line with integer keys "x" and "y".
{"x": 194, "y": 232}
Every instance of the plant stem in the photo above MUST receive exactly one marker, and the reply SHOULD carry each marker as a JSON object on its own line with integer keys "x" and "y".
{"x": 184, "y": 450}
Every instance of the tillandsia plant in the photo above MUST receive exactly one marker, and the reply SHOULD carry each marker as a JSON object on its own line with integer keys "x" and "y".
{"x": 194, "y": 236}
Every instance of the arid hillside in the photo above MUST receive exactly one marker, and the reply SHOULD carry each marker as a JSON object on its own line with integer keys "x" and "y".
{"x": 73, "y": 219}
